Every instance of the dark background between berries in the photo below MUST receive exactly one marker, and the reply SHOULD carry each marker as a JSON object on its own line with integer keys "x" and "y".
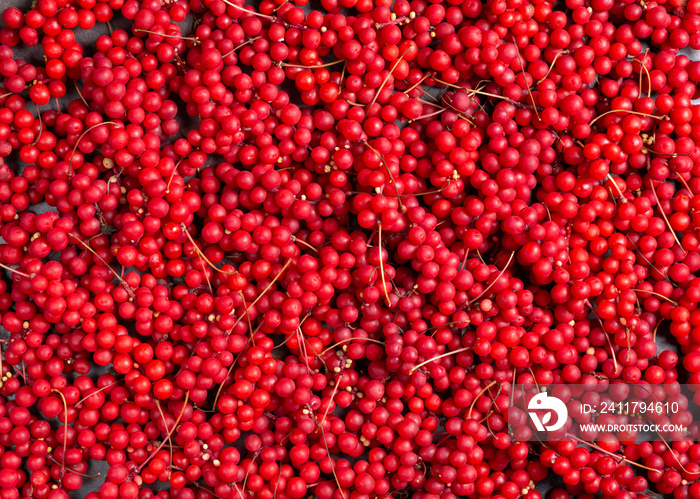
{"x": 86, "y": 39}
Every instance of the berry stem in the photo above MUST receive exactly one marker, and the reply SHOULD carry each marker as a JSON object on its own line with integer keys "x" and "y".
{"x": 201, "y": 255}
{"x": 301, "y": 241}
{"x": 169, "y": 433}
{"x": 623, "y": 199}
{"x": 121, "y": 279}
{"x": 188, "y": 38}
{"x": 75, "y": 148}
{"x": 250, "y": 40}
{"x": 449, "y": 105}
{"x": 656, "y": 329}
{"x": 430, "y": 115}
{"x": 76, "y": 472}
{"x": 312, "y": 67}
{"x": 685, "y": 184}
{"x": 351, "y": 339}
{"x": 65, "y": 430}
{"x": 611, "y": 454}
{"x": 527, "y": 83}
{"x": 471, "y": 407}
{"x": 655, "y": 294}
{"x": 624, "y": 111}
{"x": 425, "y": 77}
{"x": 663, "y": 214}
{"x": 474, "y": 90}
{"x": 554, "y": 61}
{"x": 607, "y": 336}
{"x": 165, "y": 423}
{"x": 381, "y": 268}
{"x": 14, "y": 271}
{"x": 494, "y": 281}
{"x": 251, "y": 12}
{"x": 381, "y": 87}
{"x": 235, "y": 361}
{"x": 263, "y": 293}
{"x": 250, "y": 326}
{"x": 391, "y": 175}
{"x": 332, "y": 462}
{"x": 80, "y": 94}
{"x": 96, "y": 392}
{"x": 446, "y": 354}
{"x": 335, "y": 390}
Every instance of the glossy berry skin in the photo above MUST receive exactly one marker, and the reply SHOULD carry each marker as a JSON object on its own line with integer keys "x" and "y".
{"x": 288, "y": 249}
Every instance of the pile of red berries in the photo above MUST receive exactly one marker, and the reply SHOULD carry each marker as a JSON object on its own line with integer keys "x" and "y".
{"x": 309, "y": 249}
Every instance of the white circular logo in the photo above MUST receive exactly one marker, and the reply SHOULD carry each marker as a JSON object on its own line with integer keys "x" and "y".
{"x": 543, "y": 402}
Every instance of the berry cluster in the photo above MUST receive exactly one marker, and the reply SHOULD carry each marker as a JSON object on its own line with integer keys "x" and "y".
{"x": 309, "y": 250}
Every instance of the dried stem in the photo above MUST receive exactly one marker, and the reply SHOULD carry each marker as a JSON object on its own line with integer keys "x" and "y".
{"x": 247, "y": 473}
{"x": 201, "y": 255}
{"x": 328, "y": 453}
{"x": 381, "y": 87}
{"x": 263, "y": 293}
{"x": 297, "y": 240}
{"x": 554, "y": 61}
{"x": 611, "y": 454}
{"x": 607, "y": 336}
{"x": 469, "y": 414}
{"x": 663, "y": 214}
{"x": 522, "y": 71}
{"x": 352, "y": 339}
{"x": 165, "y": 423}
{"x": 655, "y": 294}
{"x": 251, "y": 12}
{"x": 206, "y": 276}
{"x": 221, "y": 386}
{"x": 75, "y": 148}
{"x": 446, "y": 354}
{"x": 657, "y": 328}
{"x": 313, "y": 349}
{"x": 250, "y": 326}
{"x": 169, "y": 433}
{"x": 425, "y": 77}
{"x": 459, "y": 113}
{"x": 534, "y": 378}
{"x": 335, "y": 390}
{"x": 250, "y": 40}
{"x": 75, "y": 82}
{"x": 646, "y": 70}
{"x": 625, "y": 111}
{"x": 65, "y": 429}
{"x": 430, "y": 115}
{"x": 188, "y": 38}
{"x": 381, "y": 268}
{"x": 623, "y": 199}
{"x": 494, "y": 281}
{"x": 95, "y": 393}
{"x": 121, "y": 279}
{"x": 284, "y": 64}
{"x": 474, "y": 91}
{"x": 685, "y": 184}
{"x": 391, "y": 176}
{"x": 74, "y": 471}
{"x": 14, "y": 271}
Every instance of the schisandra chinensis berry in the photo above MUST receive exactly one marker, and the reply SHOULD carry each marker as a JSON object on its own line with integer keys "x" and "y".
{"x": 287, "y": 249}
